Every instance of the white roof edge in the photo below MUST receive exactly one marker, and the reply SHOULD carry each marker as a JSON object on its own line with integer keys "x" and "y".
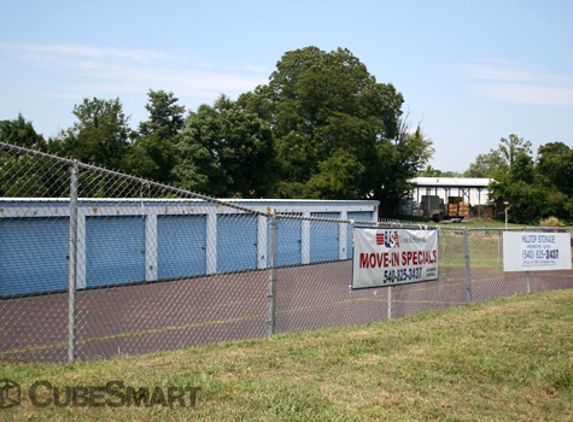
{"x": 451, "y": 181}
{"x": 231, "y": 200}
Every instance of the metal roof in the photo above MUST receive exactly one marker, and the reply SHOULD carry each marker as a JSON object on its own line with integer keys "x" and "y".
{"x": 451, "y": 182}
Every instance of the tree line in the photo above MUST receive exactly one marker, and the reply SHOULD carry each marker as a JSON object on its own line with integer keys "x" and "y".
{"x": 321, "y": 128}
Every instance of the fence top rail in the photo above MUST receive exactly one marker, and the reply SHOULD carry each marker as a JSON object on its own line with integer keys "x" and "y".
{"x": 123, "y": 176}
{"x": 268, "y": 205}
{"x": 250, "y": 206}
{"x": 231, "y": 200}
{"x": 508, "y": 229}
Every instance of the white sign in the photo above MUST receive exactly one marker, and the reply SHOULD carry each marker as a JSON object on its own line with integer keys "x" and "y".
{"x": 536, "y": 251}
{"x": 390, "y": 256}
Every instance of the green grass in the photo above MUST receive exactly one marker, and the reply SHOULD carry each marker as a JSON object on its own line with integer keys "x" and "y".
{"x": 485, "y": 246}
{"x": 470, "y": 222}
{"x": 485, "y": 249}
{"x": 506, "y": 360}
{"x": 477, "y": 223}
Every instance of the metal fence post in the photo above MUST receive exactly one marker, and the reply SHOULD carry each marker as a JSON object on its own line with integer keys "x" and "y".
{"x": 272, "y": 275}
{"x": 467, "y": 261}
{"x": 389, "y": 303}
{"x": 72, "y": 273}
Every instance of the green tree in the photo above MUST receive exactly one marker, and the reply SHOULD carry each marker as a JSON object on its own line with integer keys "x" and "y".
{"x": 25, "y": 175}
{"x": 499, "y": 161}
{"x": 198, "y": 168}
{"x": 225, "y": 151}
{"x": 336, "y": 172}
{"x": 153, "y": 153}
{"x": 554, "y": 171}
{"x": 101, "y": 135}
{"x": 165, "y": 115}
{"x": 487, "y": 165}
{"x": 22, "y": 133}
{"x": 512, "y": 147}
{"x": 555, "y": 166}
{"x": 430, "y": 171}
{"x": 409, "y": 153}
{"x": 331, "y": 119}
{"x": 520, "y": 188}
{"x": 451, "y": 173}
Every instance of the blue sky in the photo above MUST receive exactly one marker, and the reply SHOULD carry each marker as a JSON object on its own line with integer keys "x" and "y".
{"x": 471, "y": 72}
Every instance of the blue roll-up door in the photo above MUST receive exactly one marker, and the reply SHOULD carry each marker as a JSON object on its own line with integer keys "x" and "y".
{"x": 115, "y": 250}
{"x": 324, "y": 238}
{"x": 236, "y": 242}
{"x": 181, "y": 245}
{"x": 33, "y": 255}
{"x": 288, "y": 242}
{"x": 356, "y": 216}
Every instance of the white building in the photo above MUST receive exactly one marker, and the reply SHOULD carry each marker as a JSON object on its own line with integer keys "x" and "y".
{"x": 435, "y": 194}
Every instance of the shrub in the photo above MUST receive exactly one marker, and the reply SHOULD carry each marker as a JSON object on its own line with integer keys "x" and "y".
{"x": 551, "y": 222}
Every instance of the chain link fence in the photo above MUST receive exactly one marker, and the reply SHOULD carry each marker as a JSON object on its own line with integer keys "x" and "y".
{"x": 96, "y": 264}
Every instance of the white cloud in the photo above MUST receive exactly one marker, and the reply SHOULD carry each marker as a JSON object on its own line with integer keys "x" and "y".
{"x": 72, "y": 52}
{"x": 514, "y": 82}
{"x": 526, "y": 93}
{"x": 97, "y": 71}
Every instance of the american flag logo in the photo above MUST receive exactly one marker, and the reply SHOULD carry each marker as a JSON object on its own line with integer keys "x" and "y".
{"x": 388, "y": 239}
{"x": 392, "y": 240}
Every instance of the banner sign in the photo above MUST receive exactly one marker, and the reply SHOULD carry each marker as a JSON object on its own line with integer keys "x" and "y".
{"x": 390, "y": 256}
{"x": 536, "y": 251}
